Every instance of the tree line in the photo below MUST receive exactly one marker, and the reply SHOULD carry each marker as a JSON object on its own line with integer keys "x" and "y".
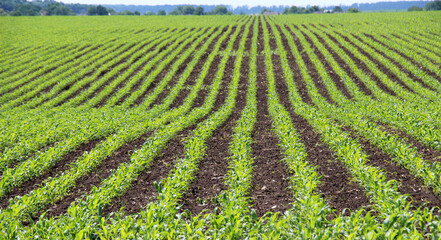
{"x": 52, "y": 7}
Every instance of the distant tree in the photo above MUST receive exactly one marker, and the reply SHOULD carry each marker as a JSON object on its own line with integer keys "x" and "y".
{"x": 57, "y": 9}
{"x": 263, "y": 11}
{"x": 180, "y": 10}
{"x": 188, "y": 10}
{"x": 100, "y": 10}
{"x": 112, "y": 11}
{"x": 174, "y": 12}
{"x": 353, "y": 10}
{"x": 9, "y": 5}
{"x": 314, "y": 8}
{"x": 293, "y": 10}
{"x": 414, "y": 9}
{"x": 433, "y": 6}
{"x": 199, "y": 11}
{"x": 219, "y": 10}
{"x": 162, "y": 13}
{"x": 149, "y": 14}
{"x": 337, "y": 9}
{"x": 97, "y": 10}
{"x": 26, "y": 10}
{"x": 127, "y": 12}
{"x": 137, "y": 13}
{"x": 3, "y": 12}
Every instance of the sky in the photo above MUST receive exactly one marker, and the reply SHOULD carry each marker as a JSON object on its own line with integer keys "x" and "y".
{"x": 234, "y": 3}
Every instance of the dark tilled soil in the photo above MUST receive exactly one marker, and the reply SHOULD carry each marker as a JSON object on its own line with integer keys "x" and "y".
{"x": 47, "y": 71}
{"x": 85, "y": 183}
{"x": 363, "y": 67}
{"x": 301, "y": 85}
{"x": 181, "y": 70}
{"x": 408, "y": 184}
{"x": 334, "y": 76}
{"x": 379, "y": 65}
{"x": 270, "y": 182}
{"x": 401, "y": 67}
{"x": 209, "y": 180}
{"x": 430, "y": 73}
{"x": 143, "y": 190}
{"x": 426, "y": 47}
{"x": 122, "y": 83}
{"x": 336, "y": 186}
{"x": 427, "y": 152}
{"x": 312, "y": 70}
{"x": 103, "y": 72}
{"x": 164, "y": 73}
{"x": 140, "y": 81}
{"x": 59, "y": 167}
{"x": 345, "y": 67}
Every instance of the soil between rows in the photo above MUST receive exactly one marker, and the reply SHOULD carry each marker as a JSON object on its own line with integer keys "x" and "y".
{"x": 418, "y": 65}
{"x": 345, "y": 67}
{"x": 209, "y": 179}
{"x": 55, "y": 67}
{"x": 379, "y": 65}
{"x": 335, "y": 185}
{"x": 408, "y": 184}
{"x": 334, "y": 76}
{"x": 315, "y": 76}
{"x": 270, "y": 184}
{"x": 143, "y": 191}
{"x": 363, "y": 67}
{"x": 57, "y": 169}
{"x": 399, "y": 66}
{"x": 85, "y": 183}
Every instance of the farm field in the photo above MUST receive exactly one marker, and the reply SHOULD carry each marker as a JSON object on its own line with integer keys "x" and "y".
{"x": 221, "y": 127}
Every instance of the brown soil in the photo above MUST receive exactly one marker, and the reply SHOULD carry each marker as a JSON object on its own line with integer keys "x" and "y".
{"x": 57, "y": 169}
{"x": 363, "y": 67}
{"x": 301, "y": 85}
{"x": 164, "y": 73}
{"x": 401, "y": 67}
{"x": 408, "y": 184}
{"x": 334, "y": 76}
{"x": 196, "y": 72}
{"x": 270, "y": 182}
{"x": 161, "y": 166}
{"x": 427, "y": 152}
{"x": 379, "y": 65}
{"x": 143, "y": 190}
{"x": 140, "y": 80}
{"x": 345, "y": 67}
{"x": 85, "y": 183}
{"x": 315, "y": 76}
{"x": 122, "y": 83}
{"x": 209, "y": 180}
{"x": 335, "y": 185}
{"x": 418, "y": 65}
{"x": 181, "y": 69}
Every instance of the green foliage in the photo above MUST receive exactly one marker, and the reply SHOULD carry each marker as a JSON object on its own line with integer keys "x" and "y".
{"x": 26, "y": 10}
{"x": 337, "y": 9}
{"x": 162, "y": 13}
{"x": 219, "y": 10}
{"x": 433, "y": 6}
{"x": 353, "y": 10}
{"x": 76, "y": 81}
{"x": 199, "y": 11}
{"x": 57, "y": 9}
{"x": 97, "y": 10}
{"x": 414, "y": 9}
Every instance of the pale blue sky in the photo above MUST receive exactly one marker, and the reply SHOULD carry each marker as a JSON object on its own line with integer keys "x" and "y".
{"x": 226, "y": 2}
